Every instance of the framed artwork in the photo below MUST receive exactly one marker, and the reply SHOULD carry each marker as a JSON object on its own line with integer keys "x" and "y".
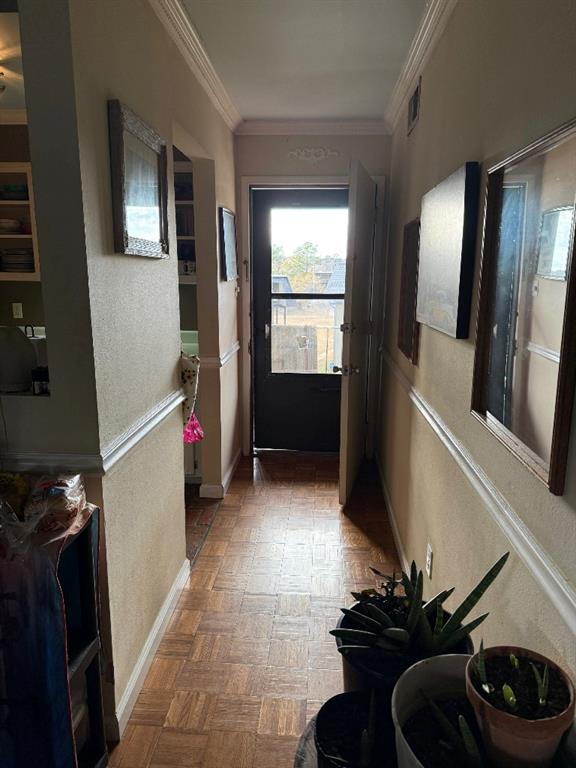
{"x": 139, "y": 184}
{"x": 228, "y": 258}
{"x": 554, "y": 242}
{"x": 525, "y": 364}
{"x": 448, "y": 220}
{"x": 408, "y": 328}
{"x": 414, "y": 107}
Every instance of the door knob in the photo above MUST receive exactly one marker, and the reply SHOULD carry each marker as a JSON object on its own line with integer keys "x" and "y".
{"x": 336, "y": 369}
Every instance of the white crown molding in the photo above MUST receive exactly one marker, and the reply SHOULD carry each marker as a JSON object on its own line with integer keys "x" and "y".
{"x": 313, "y": 128}
{"x": 115, "y": 726}
{"x": 313, "y": 155}
{"x": 545, "y": 572}
{"x": 220, "y": 362}
{"x": 179, "y": 27}
{"x": 429, "y": 33}
{"x": 13, "y": 117}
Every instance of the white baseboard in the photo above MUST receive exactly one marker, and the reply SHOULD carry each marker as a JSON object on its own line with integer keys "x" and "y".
{"x": 219, "y": 490}
{"x": 115, "y": 726}
{"x": 231, "y": 470}
{"x": 211, "y": 491}
{"x": 394, "y": 525}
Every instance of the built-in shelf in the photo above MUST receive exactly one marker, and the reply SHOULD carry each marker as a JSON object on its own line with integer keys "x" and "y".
{"x": 19, "y": 174}
{"x": 82, "y": 660}
{"x": 19, "y": 277}
{"x": 184, "y": 202}
{"x": 185, "y": 237}
{"x": 187, "y": 279}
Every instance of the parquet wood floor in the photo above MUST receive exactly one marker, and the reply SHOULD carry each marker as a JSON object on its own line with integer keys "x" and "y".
{"x": 247, "y": 659}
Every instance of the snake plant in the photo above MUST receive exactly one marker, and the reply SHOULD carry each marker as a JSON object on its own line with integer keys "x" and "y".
{"x": 400, "y": 625}
{"x": 460, "y": 742}
{"x": 367, "y": 756}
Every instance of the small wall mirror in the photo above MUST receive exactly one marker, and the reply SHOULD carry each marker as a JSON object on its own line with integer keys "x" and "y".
{"x": 525, "y": 347}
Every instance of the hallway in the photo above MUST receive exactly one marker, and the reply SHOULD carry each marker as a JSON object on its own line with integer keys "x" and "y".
{"x": 247, "y": 658}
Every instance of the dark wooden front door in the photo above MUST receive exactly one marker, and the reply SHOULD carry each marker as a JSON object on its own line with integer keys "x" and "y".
{"x": 298, "y": 279}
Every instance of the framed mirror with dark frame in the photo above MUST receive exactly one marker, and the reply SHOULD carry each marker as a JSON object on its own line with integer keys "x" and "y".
{"x": 525, "y": 365}
{"x": 138, "y": 170}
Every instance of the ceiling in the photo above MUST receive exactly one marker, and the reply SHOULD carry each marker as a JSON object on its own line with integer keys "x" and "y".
{"x": 11, "y": 63}
{"x": 307, "y": 59}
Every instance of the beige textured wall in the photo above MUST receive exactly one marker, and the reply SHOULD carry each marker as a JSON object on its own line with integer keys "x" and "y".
{"x": 501, "y": 76}
{"x": 122, "y": 51}
{"x": 310, "y": 155}
{"x": 29, "y": 295}
{"x": 145, "y": 543}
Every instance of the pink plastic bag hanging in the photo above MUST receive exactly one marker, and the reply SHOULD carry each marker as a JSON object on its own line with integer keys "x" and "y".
{"x": 193, "y": 431}
{"x": 189, "y": 370}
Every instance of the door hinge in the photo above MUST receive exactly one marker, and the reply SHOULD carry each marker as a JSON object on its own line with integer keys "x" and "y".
{"x": 345, "y": 370}
{"x": 250, "y": 347}
{"x": 347, "y": 327}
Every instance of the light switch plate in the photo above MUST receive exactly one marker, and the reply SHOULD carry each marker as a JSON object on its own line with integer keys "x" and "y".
{"x": 17, "y": 311}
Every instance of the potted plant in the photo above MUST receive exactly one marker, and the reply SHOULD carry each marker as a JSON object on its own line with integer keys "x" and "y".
{"x": 346, "y": 734}
{"x": 523, "y": 703}
{"x": 389, "y": 629}
{"x": 433, "y": 721}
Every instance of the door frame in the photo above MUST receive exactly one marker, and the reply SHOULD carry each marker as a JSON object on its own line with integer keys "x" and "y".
{"x": 245, "y": 271}
{"x": 378, "y": 297}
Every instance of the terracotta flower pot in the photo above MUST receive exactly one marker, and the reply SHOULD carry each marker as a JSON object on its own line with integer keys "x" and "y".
{"x": 512, "y": 741}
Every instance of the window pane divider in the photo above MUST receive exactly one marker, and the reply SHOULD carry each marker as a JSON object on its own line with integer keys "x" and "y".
{"x": 306, "y": 296}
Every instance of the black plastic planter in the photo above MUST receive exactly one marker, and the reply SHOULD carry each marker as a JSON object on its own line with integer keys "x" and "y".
{"x": 339, "y": 726}
{"x": 360, "y": 676}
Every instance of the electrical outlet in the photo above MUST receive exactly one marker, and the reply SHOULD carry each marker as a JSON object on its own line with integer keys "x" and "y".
{"x": 429, "y": 557}
{"x": 17, "y": 312}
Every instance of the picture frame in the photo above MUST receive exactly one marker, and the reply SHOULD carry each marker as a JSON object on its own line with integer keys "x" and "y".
{"x": 414, "y": 107}
{"x": 228, "y": 251}
{"x": 138, "y": 170}
{"x": 494, "y": 290}
{"x": 408, "y": 328}
{"x": 448, "y": 220}
{"x": 554, "y": 242}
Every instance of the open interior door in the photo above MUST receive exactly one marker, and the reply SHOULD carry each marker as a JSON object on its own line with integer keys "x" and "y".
{"x": 357, "y": 308}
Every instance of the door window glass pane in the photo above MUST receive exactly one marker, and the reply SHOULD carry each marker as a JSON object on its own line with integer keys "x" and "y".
{"x": 305, "y": 335}
{"x": 309, "y": 249}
